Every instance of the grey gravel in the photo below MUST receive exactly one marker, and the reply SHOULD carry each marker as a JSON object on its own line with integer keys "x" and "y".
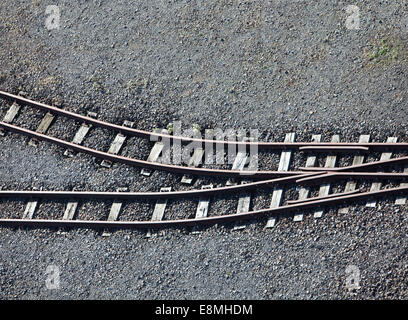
{"x": 277, "y": 66}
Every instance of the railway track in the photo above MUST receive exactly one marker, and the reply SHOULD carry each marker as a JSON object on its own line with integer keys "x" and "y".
{"x": 242, "y": 179}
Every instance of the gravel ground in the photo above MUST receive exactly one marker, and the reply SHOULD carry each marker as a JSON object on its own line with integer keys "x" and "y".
{"x": 276, "y": 66}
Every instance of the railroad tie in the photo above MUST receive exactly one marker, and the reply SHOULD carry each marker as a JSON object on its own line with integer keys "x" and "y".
{"x": 80, "y": 134}
{"x": 202, "y": 207}
{"x": 194, "y": 161}
{"x": 278, "y": 191}
{"x": 358, "y": 159}
{"x": 11, "y": 114}
{"x": 239, "y": 163}
{"x": 70, "y": 210}
{"x": 30, "y": 208}
{"x": 324, "y": 189}
{"x": 117, "y": 144}
{"x": 375, "y": 186}
{"x": 154, "y": 154}
{"x": 69, "y": 213}
{"x": 42, "y": 128}
{"x": 402, "y": 199}
{"x": 114, "y": 211}
{"x": 244, "y": 201}
{"x": 304, "y": 191}
{"x": 159, "y": 210}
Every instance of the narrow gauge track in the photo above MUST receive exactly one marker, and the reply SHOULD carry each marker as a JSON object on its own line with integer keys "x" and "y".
{"x": 203, "y": 221}
{"x": 302, "y": 178}
{"x": 345, "y": 146}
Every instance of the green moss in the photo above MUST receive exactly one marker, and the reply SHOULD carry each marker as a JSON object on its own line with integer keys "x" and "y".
{"x": 97, "y": 83}
{"x": 196, "y": 127}
{"x": 170, "y": 128}
{"x": 136, "y": 85}
{"x": 97, "y": 86}
{"x": 48, "y": 82}
{"x": 387, "y": 51}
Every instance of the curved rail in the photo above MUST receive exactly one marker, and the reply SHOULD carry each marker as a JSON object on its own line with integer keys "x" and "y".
{"x": 155, "y": 136}
{"x": 152, "y": 165}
